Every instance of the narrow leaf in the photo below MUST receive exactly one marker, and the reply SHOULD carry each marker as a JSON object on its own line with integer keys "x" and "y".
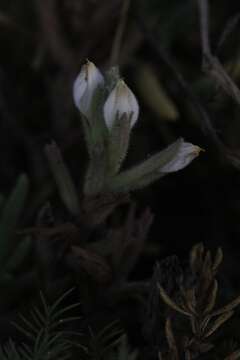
{"x": 64, "y": 182}
{"x": 10, "y": 216}
{"x": 227, "y": 307}
{"x": 118, "y": 143}
{"x": 96, "y": 172}
{"x": 171, "y": 303}
{"x": 218, "y": 322}
{"x": 196, "y": 256}
{"x": 171, "y": 339}
{"x": 212, "y": 298}
{"x": 218, "y": 259}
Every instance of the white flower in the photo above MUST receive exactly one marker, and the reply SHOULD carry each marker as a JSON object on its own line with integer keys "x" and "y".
{"x": 120, "y": 101}
{"x": 185, "y": 154}
{"x": 85, "y": 85}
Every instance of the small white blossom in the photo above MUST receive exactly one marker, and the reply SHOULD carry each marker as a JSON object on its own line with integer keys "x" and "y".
{"x": 186, "y": 153}
{"x": 85, "y": 85}
{"x": 120, "y": 101}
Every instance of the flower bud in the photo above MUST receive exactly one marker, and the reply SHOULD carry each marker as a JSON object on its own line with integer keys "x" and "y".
{"x": 121, "y": 101}
{"x": 186, "y": 153}
{"x": 85, "y": 85}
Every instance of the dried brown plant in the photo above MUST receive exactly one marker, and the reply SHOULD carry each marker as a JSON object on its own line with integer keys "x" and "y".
{"x": 197, "y": 303}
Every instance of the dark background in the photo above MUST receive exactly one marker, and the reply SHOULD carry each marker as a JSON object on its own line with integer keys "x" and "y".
{"x": 43, "y": 46}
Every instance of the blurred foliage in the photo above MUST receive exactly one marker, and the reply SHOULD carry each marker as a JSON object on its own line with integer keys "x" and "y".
{"x": 13, "y": 253}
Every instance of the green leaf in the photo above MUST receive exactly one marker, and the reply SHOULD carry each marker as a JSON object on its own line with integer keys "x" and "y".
{"x": 10, "y": 216}
{"x": 96, "y": 172}
{"x": 95, "y": 130}
{"x": 44, "y": 329}
{"x": 118, "y": 143}
{"x": 9, "y": 352}
{"x": 96, "y": 134}
{"x": 64, "y": 182}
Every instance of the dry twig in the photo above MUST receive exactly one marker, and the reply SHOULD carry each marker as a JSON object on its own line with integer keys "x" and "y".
{"x": 210, "y": 63}
{"x": 197, "y": 303}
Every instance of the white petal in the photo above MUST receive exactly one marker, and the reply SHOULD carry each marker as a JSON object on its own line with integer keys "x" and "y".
{"x": 133, "y": 107}
{"x": 88, "y": 80}
{"x": 94, "y": 76}
{"x": 120, "y": 101}
{"x": 186, "y": 153}
{"x": 110, "y": 109}
{"x": 79, "y": 87}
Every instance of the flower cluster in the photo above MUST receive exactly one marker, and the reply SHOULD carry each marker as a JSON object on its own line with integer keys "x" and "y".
{"x": 109, "y": 111}
{"x": 121, "y": 100}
